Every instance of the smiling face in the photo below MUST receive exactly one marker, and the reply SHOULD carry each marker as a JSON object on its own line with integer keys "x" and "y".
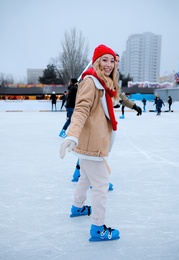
{"x": 107, "y": 63}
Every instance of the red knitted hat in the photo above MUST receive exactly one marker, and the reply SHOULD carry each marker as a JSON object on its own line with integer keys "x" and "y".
{"x": 102, "y": 50}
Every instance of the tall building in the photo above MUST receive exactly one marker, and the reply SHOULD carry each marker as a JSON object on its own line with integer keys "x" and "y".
{"x": 33, "y": 75}
{"x": 141, "y": 59}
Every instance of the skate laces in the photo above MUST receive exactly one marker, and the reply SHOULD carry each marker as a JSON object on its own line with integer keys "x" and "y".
{"x": 109, "y": 231}
{"x": 88, "y": 208}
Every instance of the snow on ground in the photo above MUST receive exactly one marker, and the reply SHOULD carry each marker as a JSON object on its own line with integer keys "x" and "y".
{"x": 36, "y": 191}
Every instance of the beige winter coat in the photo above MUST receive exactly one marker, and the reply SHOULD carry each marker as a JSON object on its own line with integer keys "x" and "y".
{"x": 89, "y": 123}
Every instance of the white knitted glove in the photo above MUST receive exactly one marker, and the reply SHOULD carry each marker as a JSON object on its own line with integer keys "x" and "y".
{"x": 66, "y": 144}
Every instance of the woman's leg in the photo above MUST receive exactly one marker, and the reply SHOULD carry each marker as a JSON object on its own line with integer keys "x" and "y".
{"x": 93, "y": 173}
{"x": 69, "y": 113}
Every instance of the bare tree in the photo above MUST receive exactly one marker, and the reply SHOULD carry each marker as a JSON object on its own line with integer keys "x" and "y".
{"x": 21, "y": 80}
{"x": 73, "y": 59}
{"x": 6, "y": 79}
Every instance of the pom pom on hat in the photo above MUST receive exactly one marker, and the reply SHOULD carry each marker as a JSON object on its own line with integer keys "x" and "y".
{"x": 102, "y": 50}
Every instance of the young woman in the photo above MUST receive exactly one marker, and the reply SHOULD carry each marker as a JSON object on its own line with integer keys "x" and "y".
{"x": 90, "y": 136}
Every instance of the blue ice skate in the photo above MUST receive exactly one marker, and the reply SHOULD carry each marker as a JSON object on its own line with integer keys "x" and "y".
{"x": 102, "y": 233}
{"x": 78, "y": 212}
{"x": 63, "y": 133}
{"x": 121, "y": 117}
{"x": 76, "y": 174}
{"x": 110, "y": 186}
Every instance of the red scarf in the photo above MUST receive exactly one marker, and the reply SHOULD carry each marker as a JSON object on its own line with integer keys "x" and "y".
{"x": 109, "y": 94}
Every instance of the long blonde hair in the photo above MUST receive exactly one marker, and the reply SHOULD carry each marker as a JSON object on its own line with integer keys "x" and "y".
{"x": 111, "y": 80}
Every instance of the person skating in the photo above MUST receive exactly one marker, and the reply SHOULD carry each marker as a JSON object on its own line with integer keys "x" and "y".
{"x": 122, "y": 110}
{"x": 144, "y": 101}
{"x": 70, "y": 104}
{"x": 90, "y": 136}
{"x": 76, "y": 174}
{"x": 159, "y": 102}
{"x": 63, "y": 98}
{"x": 53, "y": 99}
{"x": 169, "y": 103}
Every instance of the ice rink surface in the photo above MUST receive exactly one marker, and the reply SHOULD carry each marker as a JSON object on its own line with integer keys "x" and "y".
{"x": 36, "y": 191}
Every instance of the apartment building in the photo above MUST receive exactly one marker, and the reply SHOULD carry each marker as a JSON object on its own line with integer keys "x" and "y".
{"x": 141, "y": 59}
{"x": 33, "y": 75}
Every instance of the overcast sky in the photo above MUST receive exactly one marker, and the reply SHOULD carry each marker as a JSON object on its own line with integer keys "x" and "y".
{"x": 31, "y": 31}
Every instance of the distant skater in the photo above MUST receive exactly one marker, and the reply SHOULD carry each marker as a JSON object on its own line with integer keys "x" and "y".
{"x": 53, "y": 98}
{"x": 70, "y": 104}
{"x": 144, "y": 101}
{"x": 159, "y": 103}
{"x": 169, "y": 103}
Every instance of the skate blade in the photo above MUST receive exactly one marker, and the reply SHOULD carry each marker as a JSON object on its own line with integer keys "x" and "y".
{"x": 98, "y": 239}
{"x": 74, "y": 180}
{"x": 74, "y": 216}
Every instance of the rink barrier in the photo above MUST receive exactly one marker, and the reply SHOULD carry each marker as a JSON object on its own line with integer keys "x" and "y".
{"x": 45, "y": 106}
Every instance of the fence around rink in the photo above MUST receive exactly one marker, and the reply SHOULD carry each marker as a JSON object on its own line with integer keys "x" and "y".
{"x": 45, "y": 105}
{"x": 28, "y": 105}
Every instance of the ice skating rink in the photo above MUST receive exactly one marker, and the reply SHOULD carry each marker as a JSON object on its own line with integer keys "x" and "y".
{"x": 36, "y": 191}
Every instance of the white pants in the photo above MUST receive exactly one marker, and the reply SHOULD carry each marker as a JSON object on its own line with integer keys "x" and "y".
{"x": 95, "y": 174}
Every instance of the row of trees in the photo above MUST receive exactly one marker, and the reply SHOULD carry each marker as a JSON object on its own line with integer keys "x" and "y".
{"x": 52, "y": 75}
{"x": 69, "y": 64}
{"x": 6, "y": 79}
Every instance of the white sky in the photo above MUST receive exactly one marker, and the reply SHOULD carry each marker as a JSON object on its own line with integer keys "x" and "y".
{"x": 31, "y": 31}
